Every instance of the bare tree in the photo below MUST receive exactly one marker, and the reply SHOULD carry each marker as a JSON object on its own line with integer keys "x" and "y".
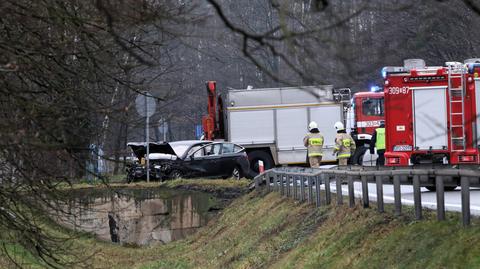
{"x": 66, "y": 66}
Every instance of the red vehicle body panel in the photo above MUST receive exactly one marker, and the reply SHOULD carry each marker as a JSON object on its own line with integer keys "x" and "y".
{"x": 399, "y": 90}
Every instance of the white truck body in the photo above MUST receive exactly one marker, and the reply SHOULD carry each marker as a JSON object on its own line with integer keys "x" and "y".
{"x": 277, "y": 118}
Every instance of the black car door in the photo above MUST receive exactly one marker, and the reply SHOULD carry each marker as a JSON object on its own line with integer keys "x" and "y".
{"x": 205, "y": 162}
{"x": 228, "y": 160}
{"x": 194, "y": 163}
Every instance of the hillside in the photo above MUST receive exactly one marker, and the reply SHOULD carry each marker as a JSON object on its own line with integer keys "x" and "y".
{"x": 270, "y": 231}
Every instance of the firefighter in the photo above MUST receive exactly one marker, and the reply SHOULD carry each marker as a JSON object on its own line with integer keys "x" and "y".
{"x": 314, "y": 143}
{"x": 344, "y": 144}
{"x": 378, "y": 141}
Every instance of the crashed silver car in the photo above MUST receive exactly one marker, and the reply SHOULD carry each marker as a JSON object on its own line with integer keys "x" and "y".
{"x": 190, "y": 158}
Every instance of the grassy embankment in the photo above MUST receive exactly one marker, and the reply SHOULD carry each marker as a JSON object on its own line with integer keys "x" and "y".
{"x": 271, "y": 231}
{"x": 198, "y": 184}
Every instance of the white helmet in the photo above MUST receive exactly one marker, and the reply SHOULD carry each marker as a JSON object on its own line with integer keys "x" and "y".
{"x": 312, "y": 125}
{"x": 339, "y": 126}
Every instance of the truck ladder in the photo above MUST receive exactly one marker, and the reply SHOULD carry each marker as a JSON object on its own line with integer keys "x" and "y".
{"x": 456, "y": 98}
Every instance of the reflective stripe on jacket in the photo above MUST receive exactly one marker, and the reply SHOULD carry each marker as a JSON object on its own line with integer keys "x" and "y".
{"x": 314, "y": 144}
{"x": 344, "y": 145}
{"x": 380, "y": 142}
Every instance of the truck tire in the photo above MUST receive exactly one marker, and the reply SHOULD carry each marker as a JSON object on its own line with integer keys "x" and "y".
{"x": 357, "y": 157}
{"x": 254, "y": 157}
{"x": 445, "y": 188}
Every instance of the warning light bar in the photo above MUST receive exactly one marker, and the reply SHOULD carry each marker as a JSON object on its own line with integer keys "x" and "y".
{"x": 426, "y": 78}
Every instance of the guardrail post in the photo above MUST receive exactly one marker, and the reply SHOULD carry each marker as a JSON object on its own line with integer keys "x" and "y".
{"x": 465, "y": 184}
{"x": 295, "y": 187}
{"x": 365, "y": 192}
{"x": 275, "y": 182}
{"x": 397, "y": 195}
{"x": 257, "y": 183}
{"x": 302, "y": 188}
{"x": 379, "y": 184}
{"x": 267, "y": 181}
{"x": 440, "y": 192}
{"x": 310, "y": 189}
{"x": 293, "y": 192}
{"x": 338, "y": 181}
{"x": 417, "y": 197}
{"x": 317, "y": 191}
{"x": 282, "y": 183}
{"x": 289, "y": 191}
{"x": 351, "y": 192}
{"x": 328, "y": 199}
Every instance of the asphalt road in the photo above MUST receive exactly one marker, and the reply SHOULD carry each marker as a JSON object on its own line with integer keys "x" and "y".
{"x": 452, "y": 198}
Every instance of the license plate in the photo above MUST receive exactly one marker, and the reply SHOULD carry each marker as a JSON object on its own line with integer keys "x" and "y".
{"x": 402, "y": 148}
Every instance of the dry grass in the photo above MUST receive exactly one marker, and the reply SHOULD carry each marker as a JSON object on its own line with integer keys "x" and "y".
{"x": 270, "y": 231}
{"x": 207, "y": 184}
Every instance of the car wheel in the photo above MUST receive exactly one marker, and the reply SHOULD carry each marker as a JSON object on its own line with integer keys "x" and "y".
{"x": 236, "y": 174}
{"x": 176, "y": 174}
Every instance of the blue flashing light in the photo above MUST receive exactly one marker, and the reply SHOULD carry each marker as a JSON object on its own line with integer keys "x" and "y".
{"x": 384, "y": 72}
{"x": 374, "y": 88}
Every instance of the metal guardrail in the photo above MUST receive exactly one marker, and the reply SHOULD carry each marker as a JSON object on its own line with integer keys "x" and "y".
{"x": 285, "y": 181}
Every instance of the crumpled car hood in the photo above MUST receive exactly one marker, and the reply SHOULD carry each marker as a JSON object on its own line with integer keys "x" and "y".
{"x": 140, "y": 148}
{"x": 162, "y": 156}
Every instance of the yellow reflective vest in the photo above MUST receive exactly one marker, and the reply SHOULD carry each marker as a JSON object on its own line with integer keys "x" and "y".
{"x": 314, "y": 144}
{"x": 344, "y": 145}
{"x": 380, "y": 142}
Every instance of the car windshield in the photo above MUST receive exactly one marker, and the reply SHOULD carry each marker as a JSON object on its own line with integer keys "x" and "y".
{"x": 372, "y": 107}
{"x": 180, "y": 148}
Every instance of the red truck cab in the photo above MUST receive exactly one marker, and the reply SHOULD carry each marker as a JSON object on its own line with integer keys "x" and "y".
{"x": 367, "y": 112}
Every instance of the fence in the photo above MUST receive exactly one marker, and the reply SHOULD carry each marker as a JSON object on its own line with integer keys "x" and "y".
{"x": 286, "y": 181}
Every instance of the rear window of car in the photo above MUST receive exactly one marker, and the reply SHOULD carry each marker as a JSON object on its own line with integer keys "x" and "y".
{"x": 228, "y": 148}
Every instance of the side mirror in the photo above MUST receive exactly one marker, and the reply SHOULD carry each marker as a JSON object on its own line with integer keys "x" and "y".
{"x": 191, "y": 157}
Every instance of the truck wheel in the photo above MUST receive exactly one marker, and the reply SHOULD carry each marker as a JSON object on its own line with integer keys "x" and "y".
{"x": 259, "y": 155}
{"x": 357, "y": 157}
{"x": 445, "y": 188}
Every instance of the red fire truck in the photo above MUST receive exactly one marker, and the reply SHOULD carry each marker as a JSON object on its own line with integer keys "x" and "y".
{"x": 431, "y": 113}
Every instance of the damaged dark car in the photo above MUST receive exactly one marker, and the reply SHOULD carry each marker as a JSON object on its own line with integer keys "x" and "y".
{"x": 187, "y": 159}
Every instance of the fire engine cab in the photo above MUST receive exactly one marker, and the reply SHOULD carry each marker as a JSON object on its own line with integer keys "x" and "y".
{"x": 431, "y": 113}
{"x": 363, "y": 117}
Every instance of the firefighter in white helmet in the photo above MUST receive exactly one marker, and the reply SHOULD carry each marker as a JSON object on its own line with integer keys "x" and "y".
{"x": 314, "y": 143}
{"x": 344, "y": 144}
